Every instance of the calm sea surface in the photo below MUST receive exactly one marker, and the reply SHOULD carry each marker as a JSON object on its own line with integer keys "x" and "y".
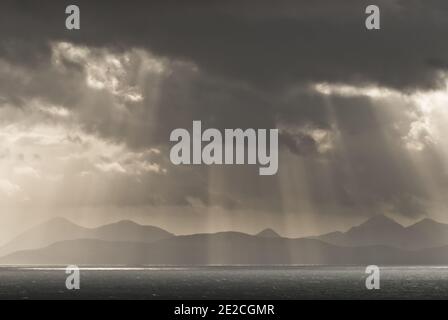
{"x": 315, "y": 282}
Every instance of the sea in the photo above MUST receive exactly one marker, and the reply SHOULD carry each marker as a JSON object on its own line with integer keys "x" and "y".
{"x": 223, "y": 282}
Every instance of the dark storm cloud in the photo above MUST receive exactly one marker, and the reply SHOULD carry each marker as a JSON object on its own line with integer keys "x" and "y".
{"x": 299, "y": 143}
{"x": 267, "y": 43}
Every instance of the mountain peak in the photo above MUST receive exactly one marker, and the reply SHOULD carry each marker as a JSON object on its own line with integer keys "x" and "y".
{"x": 59, "y": 220}
{"x": 268, "y": 233}
{"x": 427, "y": 223}
{"x": 125, "y": 222}
{"x": 381, "y": 221}
{"x": 58, "y": 223}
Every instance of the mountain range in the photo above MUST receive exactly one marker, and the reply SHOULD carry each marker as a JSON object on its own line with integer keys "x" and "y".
{"x": 379, "y": 240}
{"x": 381, "y": 230}
{"x": 60, "y": 229}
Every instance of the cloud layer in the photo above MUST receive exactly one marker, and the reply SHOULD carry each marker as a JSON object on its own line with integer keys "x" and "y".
{"x": 86, "y": 115}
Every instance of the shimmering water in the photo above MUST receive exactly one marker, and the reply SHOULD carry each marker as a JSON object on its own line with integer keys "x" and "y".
{"x": 316, "y": 282}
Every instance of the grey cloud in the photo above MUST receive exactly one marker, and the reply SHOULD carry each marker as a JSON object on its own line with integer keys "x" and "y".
{"x": 264, "y": 44}
{"x": 234, "y": 65}
{"x": 299, "y": 143}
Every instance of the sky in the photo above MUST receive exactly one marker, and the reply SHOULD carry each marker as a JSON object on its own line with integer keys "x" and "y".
{"x": 85, "y": 115}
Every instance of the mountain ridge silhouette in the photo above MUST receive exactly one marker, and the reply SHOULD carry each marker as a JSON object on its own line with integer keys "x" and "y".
{"x": 378, "y": 240}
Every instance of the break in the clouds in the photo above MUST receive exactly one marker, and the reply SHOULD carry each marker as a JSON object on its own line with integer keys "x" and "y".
{"x": 85, "y": 115}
